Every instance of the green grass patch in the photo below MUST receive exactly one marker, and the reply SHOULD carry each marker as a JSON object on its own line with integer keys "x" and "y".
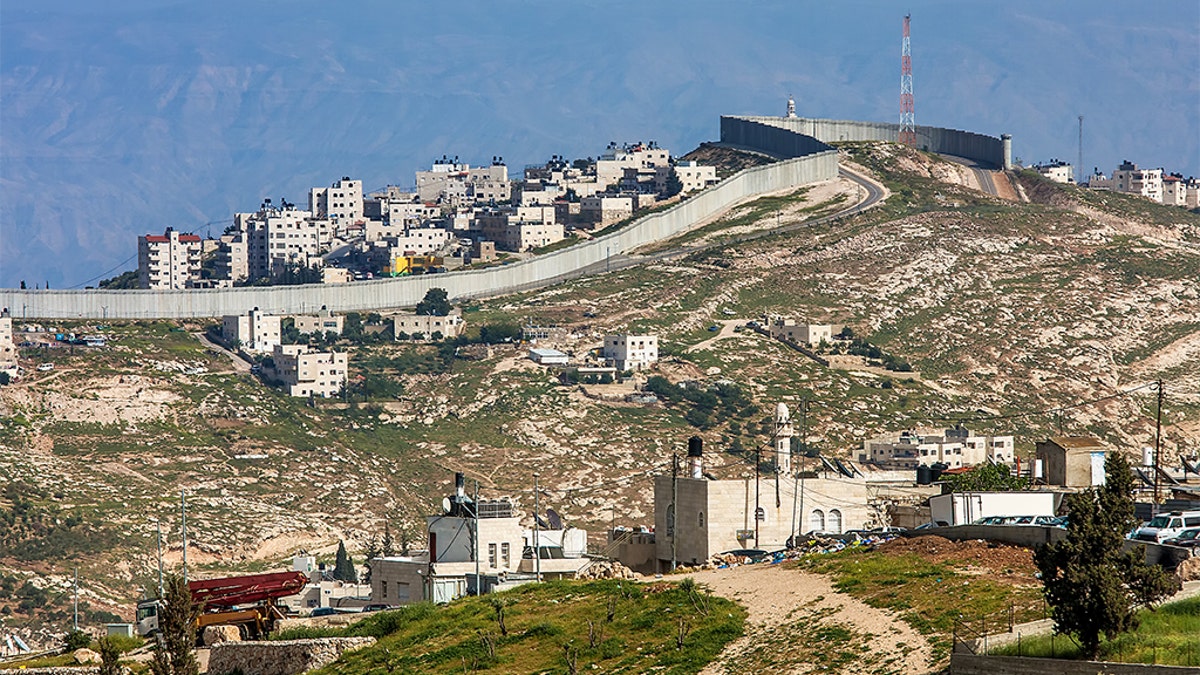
{"x": 1169, "y": 635}
{"x": 548, "y": 626}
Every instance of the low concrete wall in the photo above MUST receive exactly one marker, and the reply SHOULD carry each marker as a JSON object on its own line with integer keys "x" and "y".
{"x": 1019, "y": 535}
{"x": 57, "y": 670}
{"x": 971, "y": 664}
{"x": 286, "y": 657}
{"x": 406, "y": 292}
{"x": 987, "y": 150}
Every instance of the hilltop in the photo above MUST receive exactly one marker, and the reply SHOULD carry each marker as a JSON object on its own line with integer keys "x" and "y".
{"x": 1005, "y": 307}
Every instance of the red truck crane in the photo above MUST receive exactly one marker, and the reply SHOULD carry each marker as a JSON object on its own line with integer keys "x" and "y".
{"x": 247, "y": 602}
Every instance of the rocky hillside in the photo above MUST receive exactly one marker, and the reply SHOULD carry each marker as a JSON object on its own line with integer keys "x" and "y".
{"x": 1004, "y": 309}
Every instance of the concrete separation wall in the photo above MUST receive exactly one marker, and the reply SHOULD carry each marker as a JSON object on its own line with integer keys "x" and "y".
{"x": 285, "y": 657}
{"x": 971, "y": 664}
{"x": 987, "y": 150}
{"x": 406, "y": 292}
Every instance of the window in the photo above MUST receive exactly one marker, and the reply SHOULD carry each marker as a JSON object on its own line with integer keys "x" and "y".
{"x": 492, "y": 556}
{"x": 504, "y": 557}
{"x": 816, "y": 522}
{"x": 383, "y": 590}
{"x": 701, "y": 519}
{"x": 835, "y": 521}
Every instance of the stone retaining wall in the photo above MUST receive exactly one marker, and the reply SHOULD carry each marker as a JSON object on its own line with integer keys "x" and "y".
{"x": 56, "y": 670}
{"x": 285, "y": 657}
{"x": 972, "y": 664}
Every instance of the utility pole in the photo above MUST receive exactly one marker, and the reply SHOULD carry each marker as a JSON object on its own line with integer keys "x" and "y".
{"x": 475, "y": 509}
{"x": 672, "y": 525}
{"x": 183, "y": 518}
{"x": 158, "y": 526}
{"x": 1078, "y": 171}
{"x": 537, "y": 532}
{"x": 1158, "y": 440}
{"x": 757, "y": 508}
{"x": 796, "y": 474}
{"x": 908, "y": 128}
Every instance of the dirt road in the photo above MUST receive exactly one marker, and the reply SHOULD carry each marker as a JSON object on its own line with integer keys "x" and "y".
{"x": 791, "y": 616}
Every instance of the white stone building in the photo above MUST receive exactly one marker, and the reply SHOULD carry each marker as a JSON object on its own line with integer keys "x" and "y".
{"x": 426, "y": 326}
{"x": 605, "y": 209}
{"x": 8, "y": 349}
{"x": 1145, "y": 182}
{"x": 954, "y": 448}
{"x": 324, "y": 321}
{"x": 520, "y": 228}
{"x": 308, "y": 373}
{"x": 692, "y": 175}
{"x": 610, "y": 168}
{"x": 631, "y": 352}
{"x": 168, "y": 260}
{"x": 341, "y": 203}
{"x": 811, "y": 334}
{"x": 278, "y": 237}
{"x": 254, "y": 331}
{"x": 1059, "y": 172}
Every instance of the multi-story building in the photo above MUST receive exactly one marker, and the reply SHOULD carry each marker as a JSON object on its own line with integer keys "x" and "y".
{"x": 1059, "y": 172}
{"x": 610, "y": 168}
{"x": 520, "y": 228}
{"x": 254, "y": 331}
{"x": 426, "y": 326}
{"x": 1174, "y": 190}
{"x": 169, "y": 260}
{"x": 811, "y": 334}
{"x": 419, "y": 241}
{"x": 341, "y": 203}
{"x": 604, "y": 209}
{"x": 233, "y": 258}
{"x": 954, "y": 448}
{"x": 454, "y": 184}
{"x": 8, "y": 349}
{"x": 322, "y": 322}
{"x": 631, "y": 352}
{"x": 308, "y": 373}
{"x": 1145, "y": 182}
{"x": 691, "y": 175}
{"x": 278, "y": 238}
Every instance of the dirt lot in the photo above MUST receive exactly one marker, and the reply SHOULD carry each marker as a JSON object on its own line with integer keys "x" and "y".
{"x": 773, "y": 595}
{"x": 1013, "y": 564}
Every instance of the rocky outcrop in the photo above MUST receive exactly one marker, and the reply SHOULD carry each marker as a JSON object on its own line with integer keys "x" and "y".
{"x": 217, "y": 634}
{"x": 607, "y": 569}
{"x": 286, "y": 657}
{"x": 1189, "y": 570}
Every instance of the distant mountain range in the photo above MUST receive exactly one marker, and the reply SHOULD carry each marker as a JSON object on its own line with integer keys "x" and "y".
{"x": 126, "y": 117}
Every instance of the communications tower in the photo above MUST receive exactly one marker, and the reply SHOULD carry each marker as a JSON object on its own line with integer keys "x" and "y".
{"x": 908, "y": 127}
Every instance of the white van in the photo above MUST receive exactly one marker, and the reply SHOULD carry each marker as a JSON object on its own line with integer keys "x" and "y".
{"x": 1167, "y": 525}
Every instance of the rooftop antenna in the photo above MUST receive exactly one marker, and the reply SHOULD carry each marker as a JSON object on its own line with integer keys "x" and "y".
{"x": 908, "y": 128}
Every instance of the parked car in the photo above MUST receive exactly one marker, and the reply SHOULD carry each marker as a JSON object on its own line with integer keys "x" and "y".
{"x": 1189, "y": 538}
{"x": 1167, "y": 526}
{"x": 714, "y": 328}
{"x": 323, "y": 611}
{"x": 376, "y": 607}
{"x": 46, "y": 367}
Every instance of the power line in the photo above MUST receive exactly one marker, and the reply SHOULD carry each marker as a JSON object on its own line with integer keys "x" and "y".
{"x": 104, "y": 274}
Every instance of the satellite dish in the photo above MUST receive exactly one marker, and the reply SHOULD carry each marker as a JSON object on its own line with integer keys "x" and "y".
{"x": 445, "y": 505}
{"x": 556, "y": 522}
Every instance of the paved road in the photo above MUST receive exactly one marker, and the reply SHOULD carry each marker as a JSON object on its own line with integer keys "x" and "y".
{"x": 240, "y": 365}
{"x": 982, "y": 174}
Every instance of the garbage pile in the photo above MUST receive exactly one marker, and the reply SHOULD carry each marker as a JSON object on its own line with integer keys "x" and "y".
{"x": 813, "y": 544}
{"x": 607, "y": 569}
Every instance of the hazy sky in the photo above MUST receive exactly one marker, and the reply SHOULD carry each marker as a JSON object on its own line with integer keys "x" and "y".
{"x": 121, "y": 118}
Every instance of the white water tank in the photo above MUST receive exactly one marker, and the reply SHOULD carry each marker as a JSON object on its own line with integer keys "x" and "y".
{"x": 1038, "y": 469}
{"x": 1147, "y": 456}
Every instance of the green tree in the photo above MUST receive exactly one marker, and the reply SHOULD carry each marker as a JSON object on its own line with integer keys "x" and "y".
{"x": 123, "y": 281}
{"x": 674, "y": 185}
{"x": 435, "y": 303}
{"x": 1093, "y": 588}
{"x": 110, "y": 656}
{"x": 987, "y": 478}
{"x": 343, "y": 566}
{"x": 174, "y": 652}
{"x": 76, "y": 639}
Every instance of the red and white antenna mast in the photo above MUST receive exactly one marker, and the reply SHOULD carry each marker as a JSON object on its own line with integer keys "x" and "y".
{"x": 908, "y": 127}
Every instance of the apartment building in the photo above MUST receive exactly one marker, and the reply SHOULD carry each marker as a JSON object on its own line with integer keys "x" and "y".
{"x": 233, "y": 258}
{"x": 341, "y": 203}
{"x": 610, "y": 168}
{"x": 426, "y": 325}
{"x": 631, "y": 352}
{"x": 308, "y": 373}
{"x": 168, "y": 260}
{"x": 254, "y": 331}
{"x": 8, "y": 349}
{"x": 1059, "y": 172}
{"x": 452, "y": 183}
{"x": 419, "y": 241}
{"x": 519, "y": 228}
{"x": 322, "y": 322}
{"x": 1174, "y": 190}
{"x": 953, "y": 448}
{"x": 603, "y": 209}
{"x": 279, "y": 237}
{"x": 693, "y": 176}
{"x": 1145, "y": 182}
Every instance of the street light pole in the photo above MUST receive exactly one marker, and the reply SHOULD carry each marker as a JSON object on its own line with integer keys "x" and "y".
{"x": 537, "y": 532}
{"x": 183, "y": 519}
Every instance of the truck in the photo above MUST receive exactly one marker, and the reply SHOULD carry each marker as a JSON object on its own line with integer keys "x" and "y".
{"x": 247, "y": 602}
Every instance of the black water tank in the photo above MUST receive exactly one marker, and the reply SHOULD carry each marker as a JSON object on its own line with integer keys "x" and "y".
{"x": 935, "y": 472}
{"x": 924, "y": 475}
{"x": 695, "y": 447}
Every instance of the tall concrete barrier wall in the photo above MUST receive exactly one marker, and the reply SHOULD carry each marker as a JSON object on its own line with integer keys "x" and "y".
{"x": 987, "y": 150}
{"x": 406, "y": 292}
{"x": 781, "y": 141}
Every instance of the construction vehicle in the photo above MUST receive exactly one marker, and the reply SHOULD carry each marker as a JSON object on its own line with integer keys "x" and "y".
{"x": 246, "y": 602}
{"x": 404, "y": 265}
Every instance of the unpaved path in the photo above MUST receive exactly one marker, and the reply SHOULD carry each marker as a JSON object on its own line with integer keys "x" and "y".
{"x": 775, "y": 595}
{"x": 727, "y": 331}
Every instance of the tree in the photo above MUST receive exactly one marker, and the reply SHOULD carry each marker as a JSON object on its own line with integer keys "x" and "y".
{"x": 674, "y": 185}
{"x": 987, "y": 478}
{"x": 435, "y": 303}
{"x": 387, "y": 546}
{"x": 110, "y": 656}
{"x": 343, "y": 566}
{"x": 1093, "y": 588}
{"x": 174, "y": 652}
{"x": 76, "y": 639}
